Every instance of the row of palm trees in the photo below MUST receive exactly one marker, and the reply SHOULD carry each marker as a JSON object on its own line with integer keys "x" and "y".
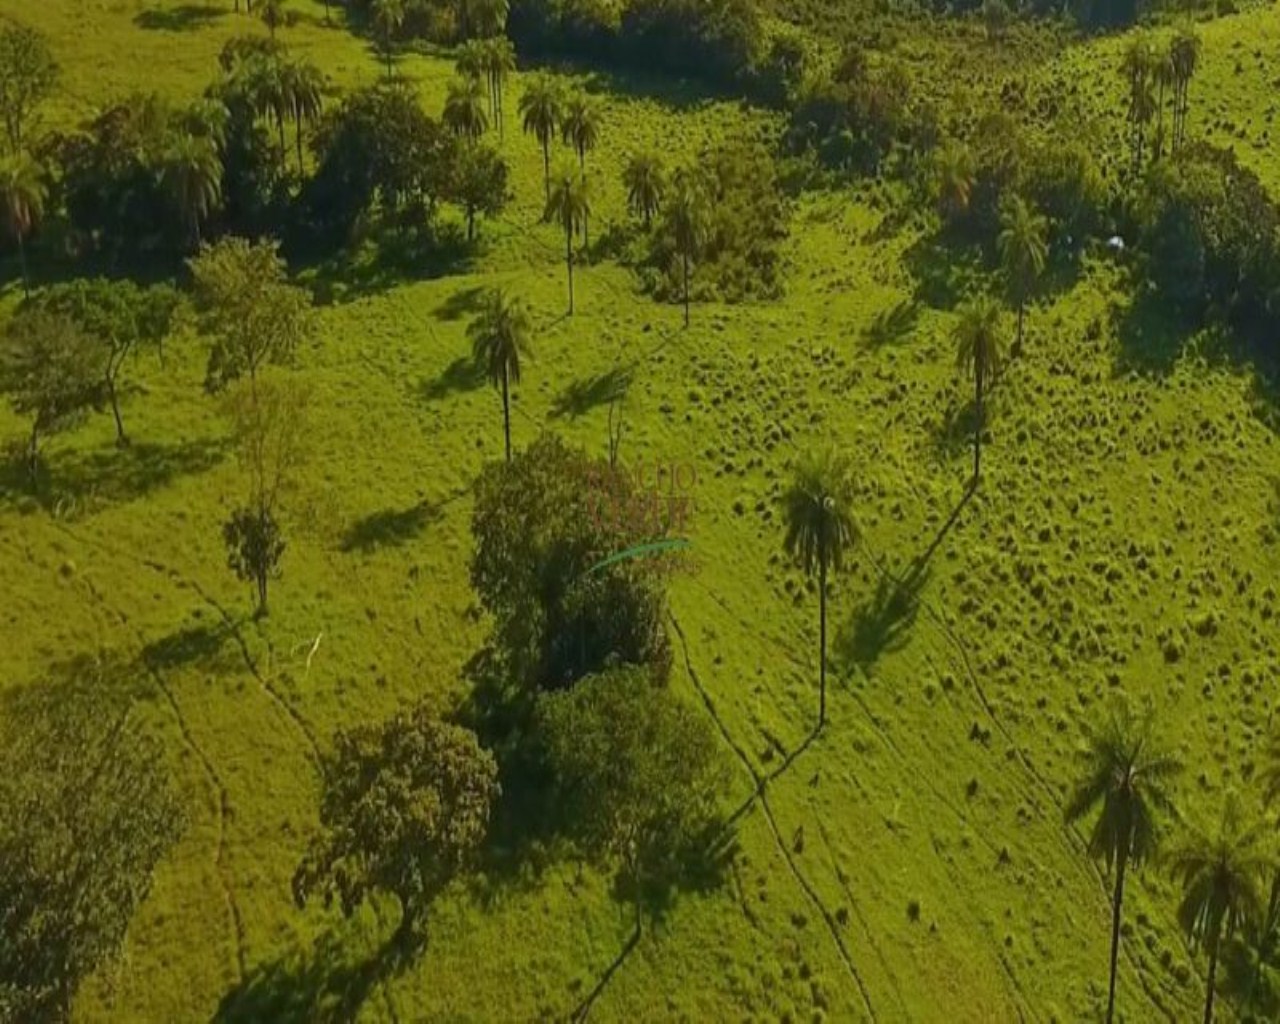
{"x": 1224, "y": 875}
{"x": 1153, "y": 70}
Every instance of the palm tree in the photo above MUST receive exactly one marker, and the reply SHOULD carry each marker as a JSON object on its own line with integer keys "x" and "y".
{"x": 388, "y": 16}
{"x": 22, "y": 196}
{"x": 956, "y": 173}
{"x": 1023, "y": 251}
{"x": 499, "y": 59}
{"x": 569, "y": 206}
{"x": 499, "y": 337}
{"x": 687, "y": 222}
{"x": 817, "y": 512}
{"x": 208, "y": 116}
{"x": 192, "y": 175}
{"x": 472, "y": 62}
{"x": 1184, "y": 56}
{"x": 1221, "y": 878}
{"x": 304, "y": 91}
{"x": 1163, "y": 74}
{"x": 1136, "y": 66}
{"x": 540, "y": 109}
{"x": 581, "y": 129}
{"x": 485, "y": 18}
{"x": 980, "y": 355}
{"x": 645, "y": 181}
{"x": 464, "y": 109}
{"x": 1126, "y": 780}
{"x": 273, "y": 14}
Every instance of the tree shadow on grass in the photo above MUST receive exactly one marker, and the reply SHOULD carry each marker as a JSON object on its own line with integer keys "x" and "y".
{"x": 584, "y": 395}
{"x": 183, "y": 18}
{"x": 392, "y": 256}
{"x": 881, "y": 625}
{"x": 945, "y": 270}
{"x": 194, "y": 644}
{"x": 323, "y": 985}
{"x": 892, "y": 326}
{"x": 1151, "y": 333}
{"x": 70, "y": 483}
{"x": 390, "y": 527}
{"x": 463, "y": 302}
{"x": 463, "y": 374}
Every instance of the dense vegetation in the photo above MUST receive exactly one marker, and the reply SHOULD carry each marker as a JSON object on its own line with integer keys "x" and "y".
{"x": 740, "y": 519}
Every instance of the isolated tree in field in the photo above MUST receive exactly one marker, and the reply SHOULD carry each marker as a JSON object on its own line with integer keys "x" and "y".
{"x": 980, "y": 355}
{"x": 1221, "y": 878}
{"x": 540, "y": 111}
{"x": 464, "y": 112}
{"x": 87, "y": 813}
{"x": 498, "y": 59}
{"x": 304, "y": 92}
{"x": 388, "y": 16}
{"x": 22, "y": 196}
{"x": 499, "y": 337}
{"x": 248, "y": 308}
{"x": 1126, "y": 783}
{"x": 955, "y": 174}
{"x": 569, "y": 206}
{"x": 687, "y": 215}
{"x": 1184, "y": 58}
{"x": 273, "y": 15}
{"x": 640, "y": 773}
{"x": 1023, "y": 247}
{"x": 269, "y": 422}
{"x": 646, "y": 182}
{"x": 405, "y": 810}
{"x": 120, "y": 316}
{"x": 817, "y": 510}
{"x": 52, "y": 372}
{"x": 192, "y": 177}
{"x": 28, "y": 74}
{"x": 478, "y": 183}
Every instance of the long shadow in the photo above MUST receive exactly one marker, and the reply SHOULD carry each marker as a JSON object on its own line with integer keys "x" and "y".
{"x": 178, "y": 19}
{"x": 584, "y": 395}
{"x": 463, "y": 374}
{"x": 893, "y": 325}
{"x": 390, "y": 527}
{"x": 1151, "y": 333}
{"x": 319, "y": 986}
{"x": 196, "y": 644}
{"x": 392, "y": 256}
{"x": 945, "y": 270}
{"x": 588, "y": 1001}
{"x": 66, "y": 481}
{"x": 463, "y": 302}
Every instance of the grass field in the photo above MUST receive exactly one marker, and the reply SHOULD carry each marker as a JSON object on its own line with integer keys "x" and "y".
{"x": 910, "y": 863}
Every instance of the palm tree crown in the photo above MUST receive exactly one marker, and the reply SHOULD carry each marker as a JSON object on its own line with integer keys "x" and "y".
{"x": 22, "y": 198}
{"x": 192, "y": 175}
{"x": 816, "y": 510}
{"x": 1023, "y": 250}
{"x": 499, "y": 337}
{"x": 979, "y": 343}
{"x": 540, "y": 113}
{"x": 464, "y": 111}
{"x": 646, "y": 182}
{"x": 581, "y": 125}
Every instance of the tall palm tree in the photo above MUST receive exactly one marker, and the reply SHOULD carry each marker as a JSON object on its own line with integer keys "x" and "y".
{"x": 499, "y": 61}
{"x": 499, "y": 337}
{"x": 980, "y": 355}
{"x": 192, "y": 175}
{"x": 817, "y": 511}
{"x": 540, "y": 110}
{"x": 485, "y": 18}
{"x": 580, "y": 128}
{"x": 464, "y": 109}
{"x": 304, "y": 91}
{"x": 1023, "y": 247}
{"x": 208, "y": 116}
{"x": 22, "y": 196}
{"x": 472, "y": 62}
{"x": 1126, "y": 781}
{"x": 569, "y": 206}
{"x": 388, "y": 16}
{"x": 646, "y": 182}
{"x": 956, "y": 172}
{"x": 1136, "y": 66}
{"x": 1184, "y": 56}
{"x": 687, "y": 222}
{"x": 273, "y": 15}
{"x": 1221, "y": 878}
{"x": 1164, "y": 76}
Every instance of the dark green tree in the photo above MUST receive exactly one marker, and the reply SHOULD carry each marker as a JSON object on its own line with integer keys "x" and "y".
{"x": 1023, "y": 247}
{"x": 478, "y": 183}
{"x": 405, "y": 810}
{"x": 640, "y": 773}
{"x": 646, "y": 184}
{"x": 980, "y": 355}
{"x": 28, "y": 74}
{"x": 499, "y": 338}
{"x": 540, "y": 105}
{"x": 569, "y": 206}
{"x": 22, "y": 196}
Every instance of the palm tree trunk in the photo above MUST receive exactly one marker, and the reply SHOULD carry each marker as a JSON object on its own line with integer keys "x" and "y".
{"x": 284, "y": 148}
{"x": 22, "y": 258}
{"x": 122, "y": 440}
{"x": 1022, "y": 309}
{"x": 1117, "y": 901}
{"x": 546, "y": 167}
{"x": 261, "y": 613}
{"x": 685, "y": 260}
{"x": 33, "y": 452}
{"x": 506, "y": 412}
{"x": 977, "y": 428}
{"x": 1212, "y": 980}
{"x": 298, "y": 122}
{"x": 568, "y": 259}
{"x": 822, "y": 638}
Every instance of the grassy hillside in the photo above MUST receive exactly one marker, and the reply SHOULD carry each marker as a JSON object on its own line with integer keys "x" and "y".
{"x": 911, "y": 862}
